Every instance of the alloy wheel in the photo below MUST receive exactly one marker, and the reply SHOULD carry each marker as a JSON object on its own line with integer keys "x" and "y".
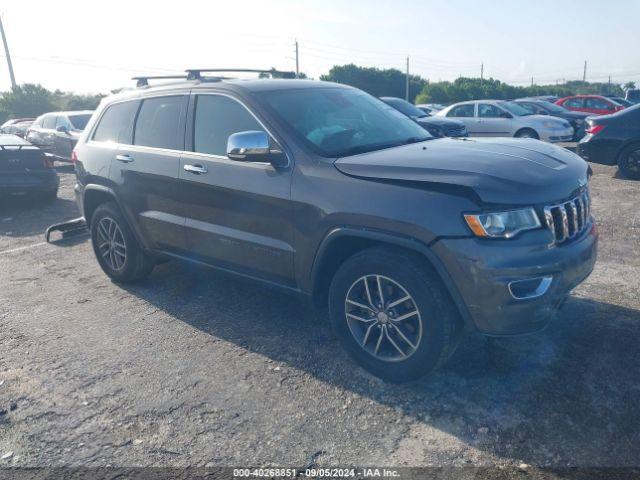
{"x": 383, "y": 318}
{"x": 111, "y": 243}
{"x": 632, "y": 162}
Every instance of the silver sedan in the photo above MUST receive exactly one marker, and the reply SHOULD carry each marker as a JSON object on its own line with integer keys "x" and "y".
{"x": 499, "y": 118}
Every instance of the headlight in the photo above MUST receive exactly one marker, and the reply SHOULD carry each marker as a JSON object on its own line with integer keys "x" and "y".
{"x": 502, "y": 224}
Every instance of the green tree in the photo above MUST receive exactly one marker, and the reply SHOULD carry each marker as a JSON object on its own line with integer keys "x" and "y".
{"x": 378, "y": 82}
{"x": 27, "y": 100}
{"x": 629, "y": 86}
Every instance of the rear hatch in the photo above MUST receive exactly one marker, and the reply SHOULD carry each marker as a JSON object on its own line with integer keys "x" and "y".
{"x": 19, "y": 156}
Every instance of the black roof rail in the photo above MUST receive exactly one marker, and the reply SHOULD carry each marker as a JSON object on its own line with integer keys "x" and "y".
{"x": 196, "y": 73}
{"x": 144, "y": 80}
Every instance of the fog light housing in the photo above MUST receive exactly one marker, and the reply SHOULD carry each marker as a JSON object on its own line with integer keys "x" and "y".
{"x": 529, "y": 288}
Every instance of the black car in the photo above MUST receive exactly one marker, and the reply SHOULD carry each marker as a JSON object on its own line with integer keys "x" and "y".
{"x": 614, "y": 140}
{"x": 58, "y": 132}
{"x": 620, "y": 100}
{"x": 325, "y": 192}
{"x": 437, "y": 126}
{"x": 542, "y": 107}
{"x": 25, "y": 169}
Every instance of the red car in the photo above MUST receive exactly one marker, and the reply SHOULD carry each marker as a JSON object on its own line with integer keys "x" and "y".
{"x": 595, "y": 104}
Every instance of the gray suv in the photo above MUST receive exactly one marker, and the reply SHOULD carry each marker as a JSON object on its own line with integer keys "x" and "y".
{"x": 328, "y": 193}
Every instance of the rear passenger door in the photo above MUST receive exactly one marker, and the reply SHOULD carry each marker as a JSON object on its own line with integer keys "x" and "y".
{"x": 238, "y": 213}
{"x": 466, "y": 114}
{"x": 145, "y": 171}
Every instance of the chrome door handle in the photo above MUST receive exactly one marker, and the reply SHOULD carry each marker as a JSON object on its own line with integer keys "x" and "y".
{"x": 124, "y": 158}
{"x": 197, "y": 169}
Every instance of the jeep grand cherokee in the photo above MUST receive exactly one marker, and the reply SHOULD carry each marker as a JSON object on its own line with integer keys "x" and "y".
{"x": 327, "y": 192}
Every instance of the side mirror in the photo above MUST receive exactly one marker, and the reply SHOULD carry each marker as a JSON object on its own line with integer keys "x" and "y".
{"x": 254, "y": 146}
{"x": 62, "y": 129}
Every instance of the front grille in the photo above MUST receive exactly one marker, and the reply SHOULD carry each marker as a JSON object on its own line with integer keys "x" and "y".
{"x": 568, "y": 219}
{"x": 455, "y": 131}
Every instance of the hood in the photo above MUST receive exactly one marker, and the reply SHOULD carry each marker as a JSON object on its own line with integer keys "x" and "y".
{"x": 500, "y": 170}
{"x": 439, "y": 122}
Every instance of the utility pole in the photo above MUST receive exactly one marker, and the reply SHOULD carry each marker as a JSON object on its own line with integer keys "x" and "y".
{"x": 532, "y": 81}
{"x": 6, "y": 52}
{"x": 481, "y": 74}
{"x": 609, "y": 87}
{"x": 297, "y": 64}
{"x": 584, "y": 74}
{"x": 406, "y": 95}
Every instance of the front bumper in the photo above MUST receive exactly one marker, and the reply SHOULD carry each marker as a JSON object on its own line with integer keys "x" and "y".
{"x": 483, "y": 271}
{"x": 557, "y": 135}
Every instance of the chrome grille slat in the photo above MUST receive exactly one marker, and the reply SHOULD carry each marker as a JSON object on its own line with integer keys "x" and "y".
{"x": 568, "y": 219}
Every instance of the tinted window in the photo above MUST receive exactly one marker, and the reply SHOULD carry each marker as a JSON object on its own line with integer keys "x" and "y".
{"x": 62, "y": 121}
{"x": 49, "y": 121}
{"x": 79, "y": 121}
{"x": 573, "y": 103}
{"x": 218, "y": 117}
{"x": 597, "y": 103}
{"x": 158, "y": 122}
{"x": 403, "y": 106}
{"x": 466, "y": 110}
{"x": 115, "y": 123}
{"x": 486, "y": 110}
{"x": 531, "y": 107}
{"x": 337, "y": 122}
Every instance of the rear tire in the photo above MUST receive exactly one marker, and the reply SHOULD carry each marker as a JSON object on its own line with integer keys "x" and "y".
{"x": 527, "y": 133}
{"x": 116, "y": 248}
{"x": 385, "y": 337}
{"x": 629, "y": 162}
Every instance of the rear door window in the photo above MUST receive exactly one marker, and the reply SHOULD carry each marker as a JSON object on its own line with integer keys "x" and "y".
{"x": 573, "y": 103}
{"x": 49, "y": 122}
{"x": 116, "y": 123}
{"x": 463, "y": 111}
{"x": 486, "y": 110}
{"x": 158, "y": 123}
{"x": 217, "y": 117}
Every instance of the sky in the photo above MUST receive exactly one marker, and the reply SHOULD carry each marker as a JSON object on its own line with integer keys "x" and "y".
{"x": 94, "y": 46}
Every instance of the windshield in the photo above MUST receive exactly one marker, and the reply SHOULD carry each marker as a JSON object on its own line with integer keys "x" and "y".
{"x": 405, "y": 107}
{"x": 515, "y": 109}
{"x": 79, "y": 121}
{"x": 337, "y": 122}
{"x": 552, "y": 107}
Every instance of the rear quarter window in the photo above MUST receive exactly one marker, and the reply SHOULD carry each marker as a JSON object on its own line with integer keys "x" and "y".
{"x": 116, "y": 123}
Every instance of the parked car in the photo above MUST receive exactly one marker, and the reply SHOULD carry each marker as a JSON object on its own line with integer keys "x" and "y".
{"x": 614, "y": 140}
{"x": 10, "y": 125}
{"x": 545, "y": 98}
{"x": 58, "y": 132}
{"x": 324, "y": 191}
{"x": 542, "y": 107}
{"x": 25, "y": 169}
{"x": 594, "y": 104}
{"x": 625, "y": 103}
{"x": 438, "y": 127}
{"x": 499, "y": 118}
{"x": 632, "y": 95}
{"x": 430, "y": 108}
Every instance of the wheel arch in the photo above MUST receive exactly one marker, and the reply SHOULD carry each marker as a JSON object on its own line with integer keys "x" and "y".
{"x": 343, "y": 242}
{"x": 94, "y": 195}
{"x": 522, "y": 129}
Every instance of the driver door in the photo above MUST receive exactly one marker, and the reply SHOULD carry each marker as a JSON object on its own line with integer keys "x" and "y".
{"x": 492, "y": 121}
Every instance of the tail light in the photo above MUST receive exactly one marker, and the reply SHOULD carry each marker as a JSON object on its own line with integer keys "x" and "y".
{"x": 74, "y": 157}
{"x": 47, "y": 161}
{"x": 594, "y": 129}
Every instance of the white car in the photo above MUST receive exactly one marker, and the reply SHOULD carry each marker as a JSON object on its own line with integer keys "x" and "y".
{"x": 500, "y": 118}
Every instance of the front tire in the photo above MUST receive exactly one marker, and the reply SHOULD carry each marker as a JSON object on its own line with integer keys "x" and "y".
{"x": 629, "y": 162}
{"x": 392, "y": 314}
{"x": 527, "y": 133}
{"x": 116, "y": 248}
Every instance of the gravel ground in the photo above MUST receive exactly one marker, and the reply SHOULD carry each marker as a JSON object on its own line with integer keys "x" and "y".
{"x": 192, "y": 368}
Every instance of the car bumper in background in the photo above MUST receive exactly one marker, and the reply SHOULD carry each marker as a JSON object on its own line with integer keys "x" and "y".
{"x": 516, "y": 286}
{"x": 560, "y": 135}
{"x": 25, "y": 183}
{"x": 598, "y": 151}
